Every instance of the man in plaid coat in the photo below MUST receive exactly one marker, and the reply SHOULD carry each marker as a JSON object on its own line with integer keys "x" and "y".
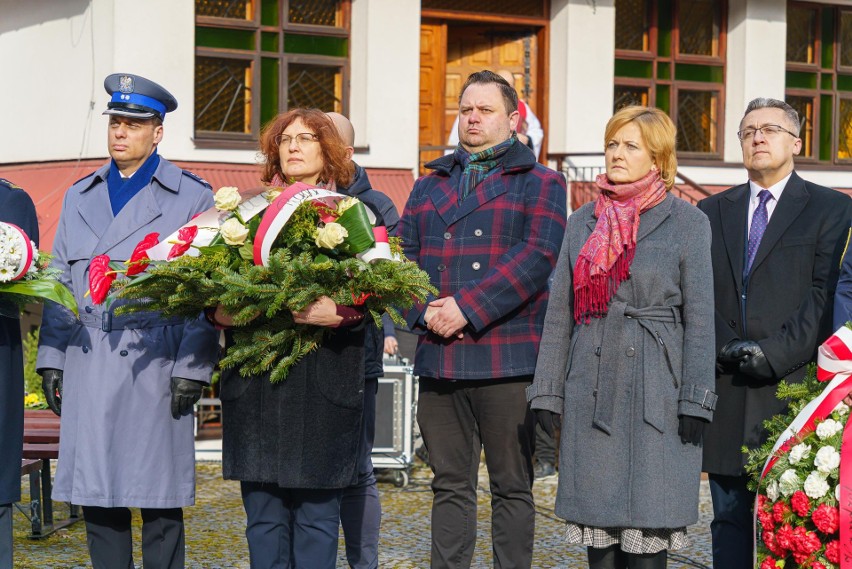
{"x": 487, "y": 225}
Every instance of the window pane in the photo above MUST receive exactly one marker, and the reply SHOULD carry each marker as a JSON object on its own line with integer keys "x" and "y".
{"x": 317, "y": 45}
{"x": 844, "y": 147}
{"x": 699, "y": 27}
{"x": 696, "y": 121}
{"x": 805, "y": 107}
{"x": 801, "y": 34}
{"x": 235, "y": 9}
{"x": 316, "y": 12}
{"x": 512, "y": 7}
{"x": 222, "y": 95}
{"x": 631, "y": 25}
{"x": 705, "y": 73}
{"x": 224, "y": 38}
{"x": 845, "y": 47}
{"x": 315, "y": 86}
{"x": 634, "y": 68}
{"x": 629, "y": 95}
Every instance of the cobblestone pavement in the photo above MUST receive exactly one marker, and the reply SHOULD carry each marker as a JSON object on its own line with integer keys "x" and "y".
{"x": 215, "y": 525}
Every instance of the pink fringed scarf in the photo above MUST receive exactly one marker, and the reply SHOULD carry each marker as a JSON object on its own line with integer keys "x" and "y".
{"x": 604, "y": 261}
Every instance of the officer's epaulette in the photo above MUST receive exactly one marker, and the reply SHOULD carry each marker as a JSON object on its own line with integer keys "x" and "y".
{"x": 10, "y": 185}
{"x": 84, "y": 178}
{"x": 197, "y": 178}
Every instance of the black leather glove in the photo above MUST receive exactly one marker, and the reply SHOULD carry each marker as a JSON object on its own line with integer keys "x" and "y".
{"x": 733, "y": 351}
{"x": 550, "y": 422}
{"x": 51, "y": 384}
{"x": 185, "y": 394}
{"x": 691, "y": 430}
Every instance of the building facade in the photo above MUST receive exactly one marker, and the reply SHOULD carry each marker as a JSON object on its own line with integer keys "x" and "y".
{"x": 395, "y": 68}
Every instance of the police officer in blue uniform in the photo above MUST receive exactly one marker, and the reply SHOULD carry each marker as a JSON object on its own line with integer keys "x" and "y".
{"x": 15, "y": 207}
{"x": 125, "y": 385}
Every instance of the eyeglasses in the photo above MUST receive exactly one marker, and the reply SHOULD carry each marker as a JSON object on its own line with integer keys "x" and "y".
{"x": 301, "y": 139}
{"x": 768, "y": 130}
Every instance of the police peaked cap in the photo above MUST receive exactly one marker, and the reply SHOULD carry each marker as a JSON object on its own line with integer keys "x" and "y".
{"x": 136, "y": 97}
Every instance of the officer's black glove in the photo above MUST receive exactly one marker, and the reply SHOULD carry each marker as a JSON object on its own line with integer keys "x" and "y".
{"x": 550, "y": 422}
{"x": 185, "y": 394}
{"x": 691, "y": 429}
{"x": 51, "y": 384}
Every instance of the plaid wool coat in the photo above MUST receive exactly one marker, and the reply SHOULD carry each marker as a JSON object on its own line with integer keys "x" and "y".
{"x": 493, "y": 253}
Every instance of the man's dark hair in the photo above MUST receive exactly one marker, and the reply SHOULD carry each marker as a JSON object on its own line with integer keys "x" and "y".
{"x": 510, "y": 96}
{"x": 769, "y": 103}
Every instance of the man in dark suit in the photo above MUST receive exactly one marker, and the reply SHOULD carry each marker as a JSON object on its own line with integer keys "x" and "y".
{"x": 777, "y": 243}
{"x": 15, "y": 207}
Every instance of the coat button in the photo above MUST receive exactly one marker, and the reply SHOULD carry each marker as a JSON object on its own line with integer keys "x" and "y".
{"x": 123, "y": 353}
{"x": 89, "y": 309}
{"x": 732, "y": 324}
{"x": 85, "y": 349}
{"x": 631, "y": 351}
{"x": 477, "y": 232}
{"x": 447, "y": 235}
{"x": 475, "y": 266}
{"x": 442, "y": 267}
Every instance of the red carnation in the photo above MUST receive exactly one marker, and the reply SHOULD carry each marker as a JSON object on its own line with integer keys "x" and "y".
{"x": 832, "y": 551}
{"x": 780, "y": 511}
{"x": 804, "y": 543}
{"x": 769, "y": 563}
{"x": 817, "y": 565}
{"x": 761, "y": 501}
{"x": 100, "y": 278}
{"x": 772, "y": 543}
{"x": 139, "y": 260}
{"x": 800, "y": 503}
{"x": 766, "y": 520}
{"x": 800, "y": 558}
{"x": 184, "y": 239}
{"x": 826, "y": 519}
{"x": 784, "y": 537}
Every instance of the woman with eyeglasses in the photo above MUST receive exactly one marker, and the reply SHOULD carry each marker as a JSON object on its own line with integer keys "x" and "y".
{"x": 293, "y": 445}
{"x": 626, "y": 362}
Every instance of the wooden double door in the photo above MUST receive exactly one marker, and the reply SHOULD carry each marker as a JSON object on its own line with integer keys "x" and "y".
{"x": 450, "y": 51}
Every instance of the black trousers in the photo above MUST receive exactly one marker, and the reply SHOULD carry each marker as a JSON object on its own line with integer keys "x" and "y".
{"x": 731, "y": 527}
{"x": 108, "y": 535}
{"x": 457, "y": 419}
{"x": 6, "y": 512}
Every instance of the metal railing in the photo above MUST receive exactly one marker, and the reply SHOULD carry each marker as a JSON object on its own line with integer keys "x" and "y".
{"x": 581, "y": 169}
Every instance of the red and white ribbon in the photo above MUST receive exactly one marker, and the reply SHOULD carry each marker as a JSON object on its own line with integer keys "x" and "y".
{"x": 834, "y": 365}
{"x": 27, "y": 256}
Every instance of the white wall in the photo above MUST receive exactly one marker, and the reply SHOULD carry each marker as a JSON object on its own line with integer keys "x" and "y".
{"x": 385, "y": 87}
{"x": 582, "y": 60}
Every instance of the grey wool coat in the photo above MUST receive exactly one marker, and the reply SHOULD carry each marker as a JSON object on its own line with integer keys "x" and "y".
{"x": 621, "y": 381}
{"x": 119, "y": 445}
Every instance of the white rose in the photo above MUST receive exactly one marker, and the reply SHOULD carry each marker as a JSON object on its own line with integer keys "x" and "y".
{"x": 788, "y": 483}
{"x": 828, "y": 428}
{"x": 227, "y": 198}
{"x": 815, "y": 485}
{"x": 842, "y": 409}
{"x": 345, "y": 204}
{"x": 798, "y": 452}
{"x": 271, "y": 194}
{"x": 331, "y": 235}
{"x": 234, "y": 232}
{"x": 772, "y": 490}
{"x": 827, "y": 459}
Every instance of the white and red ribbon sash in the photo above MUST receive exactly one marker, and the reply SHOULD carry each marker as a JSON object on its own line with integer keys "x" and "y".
{"x": 834, "y": 365}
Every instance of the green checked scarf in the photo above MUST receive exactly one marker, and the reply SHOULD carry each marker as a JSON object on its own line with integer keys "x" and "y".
{"x": 477, "y": 166}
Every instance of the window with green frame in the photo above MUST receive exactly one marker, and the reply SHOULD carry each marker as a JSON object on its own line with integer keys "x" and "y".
{"x": 819, "y": 79}
{"x": 671, "y": 54}
{"x": 257, "y": 58}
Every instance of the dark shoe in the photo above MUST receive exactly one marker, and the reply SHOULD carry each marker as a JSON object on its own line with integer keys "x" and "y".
{"x": 544, "y": 470}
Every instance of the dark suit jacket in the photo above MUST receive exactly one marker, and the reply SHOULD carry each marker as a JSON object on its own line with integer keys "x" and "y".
{"x": 786, "y": 306}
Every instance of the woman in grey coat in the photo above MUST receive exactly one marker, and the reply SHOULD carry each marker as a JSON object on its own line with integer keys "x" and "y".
{"x": 626, "y": 356}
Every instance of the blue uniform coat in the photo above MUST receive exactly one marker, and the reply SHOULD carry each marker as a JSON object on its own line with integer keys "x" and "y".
{"x": 119, "y": 444}
{"x": 15, "y": 207}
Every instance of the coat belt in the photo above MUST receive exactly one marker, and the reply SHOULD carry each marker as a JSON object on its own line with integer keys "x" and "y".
{"x": 108, "y": 322}
{"x": 613, "y": 364}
